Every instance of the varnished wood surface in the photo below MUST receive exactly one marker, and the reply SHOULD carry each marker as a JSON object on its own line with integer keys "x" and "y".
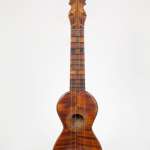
{"x": 77, "y": 18}
{"x": 81, "y": 136}
{"x": 77, "y": 109}
{"x": 77, "y": 60}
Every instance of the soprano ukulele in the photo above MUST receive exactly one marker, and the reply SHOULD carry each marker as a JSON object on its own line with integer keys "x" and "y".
{"x": 77, "y": 108}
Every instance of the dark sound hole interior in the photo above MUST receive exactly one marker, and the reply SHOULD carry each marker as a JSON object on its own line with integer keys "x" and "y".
{"x": 77, "y": 117}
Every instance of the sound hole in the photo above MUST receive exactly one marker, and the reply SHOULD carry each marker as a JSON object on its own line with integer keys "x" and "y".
{"x": 77, "y": 117}
{"x": 77, "y": 120}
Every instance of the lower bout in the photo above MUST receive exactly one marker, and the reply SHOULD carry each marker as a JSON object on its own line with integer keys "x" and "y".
{"x": 80, "y": 141}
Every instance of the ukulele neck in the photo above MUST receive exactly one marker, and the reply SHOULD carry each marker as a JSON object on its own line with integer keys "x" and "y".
{"x": 77, "y": 18}
{"x": 77, "y": 60}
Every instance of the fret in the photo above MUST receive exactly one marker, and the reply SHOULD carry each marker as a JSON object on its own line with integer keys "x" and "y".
{"x": 78, "y": 81}
{"x": 77, "y": 39}
{"x": 75, "y": 76}
{"x": 78, "y": 66}
{"x": 77, "y": 89}
{"x": 77, "y": 29}
{"x": 79, "y": 72}
{"x": 77, "y": 86}
{"x": 77, "y": 32}
{"x": 77, "y": 57}
{"x": 77, "y": 45}
{"x": 77, "y": 51}
{"x": 77, "y": 62}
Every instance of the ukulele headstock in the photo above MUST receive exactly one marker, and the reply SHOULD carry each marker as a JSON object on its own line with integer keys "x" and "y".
{"x": 77, "y": 14}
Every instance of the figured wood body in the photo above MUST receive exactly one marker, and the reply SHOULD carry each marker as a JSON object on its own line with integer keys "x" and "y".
{"x": 77, "y": 111}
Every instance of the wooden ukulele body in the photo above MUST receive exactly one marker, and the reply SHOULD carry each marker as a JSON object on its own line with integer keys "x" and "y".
{"x": 77, "y": 111}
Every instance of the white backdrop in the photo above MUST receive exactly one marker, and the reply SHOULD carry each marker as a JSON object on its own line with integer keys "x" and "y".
{"x": 34, "y": 71}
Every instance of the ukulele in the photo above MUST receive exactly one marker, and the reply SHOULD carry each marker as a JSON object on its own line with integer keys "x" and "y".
{"x": 77, "y": 108}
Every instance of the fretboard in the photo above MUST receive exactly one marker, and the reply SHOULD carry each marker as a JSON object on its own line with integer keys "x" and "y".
{"x": 77, "y": 64}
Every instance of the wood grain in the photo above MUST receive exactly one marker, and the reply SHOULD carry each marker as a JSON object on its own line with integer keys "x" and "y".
{"x": 77, "y": 109}
{"x": 80, "y": 137}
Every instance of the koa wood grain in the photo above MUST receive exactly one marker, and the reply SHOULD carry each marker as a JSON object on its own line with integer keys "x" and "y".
{"x": 77, "y": 108}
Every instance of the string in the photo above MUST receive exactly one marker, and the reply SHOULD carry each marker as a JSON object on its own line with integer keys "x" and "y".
{"x": 77, "y": 82}
{"x": 72, "y": 98}
{"x": 77, "y": 86}
{"x": 83, "y": 80}
{"x": 84, "y": 87}
{"x": 80, "y": 87}
{"x": 71, "y": 85}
